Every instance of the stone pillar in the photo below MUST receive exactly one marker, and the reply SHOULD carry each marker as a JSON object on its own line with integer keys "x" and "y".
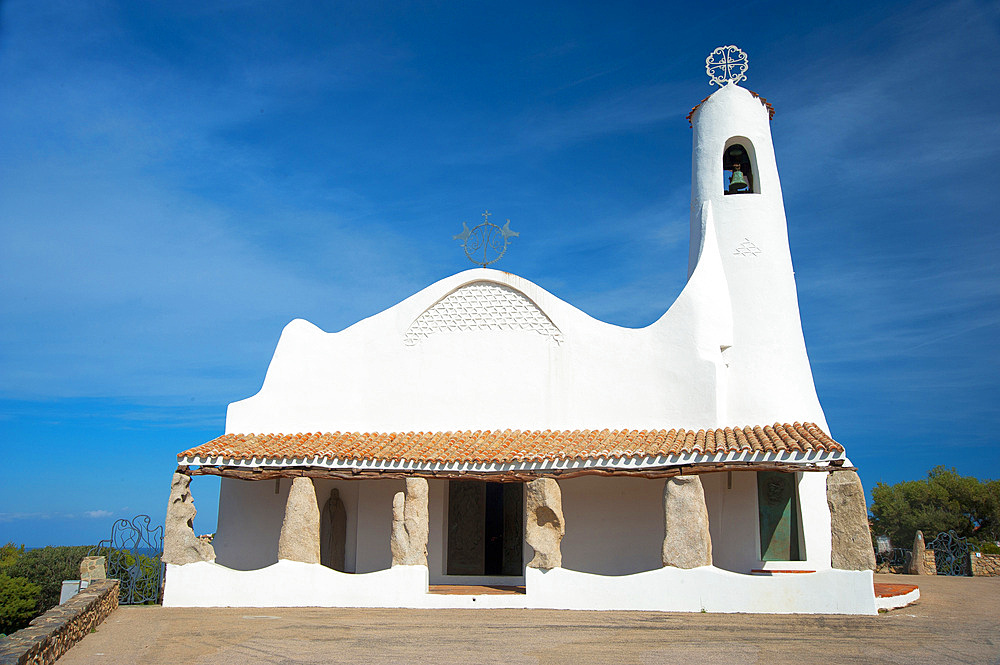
{"x": 180, "y": 545}
{"x": 544, "y": 526}
{"x": 918, "y": 561}
{"x": 93, "y": 568}
{"x": 410, "y": 524}
{"x": 299, "y": 539}
{"x": 850, "y": 537}
{"x": 333, "y": 532}
{"x": 686, "y": 540}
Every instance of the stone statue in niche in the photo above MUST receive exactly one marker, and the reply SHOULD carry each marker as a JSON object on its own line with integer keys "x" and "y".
{"x": 333, "y": 532}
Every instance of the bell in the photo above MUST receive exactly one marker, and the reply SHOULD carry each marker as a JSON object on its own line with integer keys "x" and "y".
{"x": 737, "y": 182}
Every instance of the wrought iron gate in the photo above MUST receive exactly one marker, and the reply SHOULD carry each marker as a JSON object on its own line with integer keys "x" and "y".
{"x": 895, "y": 560}
{"x": 133, "y": 556}
{"x": 951, "y": 554}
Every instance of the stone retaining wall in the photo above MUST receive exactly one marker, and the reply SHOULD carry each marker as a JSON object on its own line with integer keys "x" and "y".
{"x": 930, "y": 562}
{"x": 985, "y": 565}
{"x": 53, "y": 633}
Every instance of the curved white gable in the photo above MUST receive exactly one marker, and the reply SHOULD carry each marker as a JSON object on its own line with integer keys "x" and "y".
{"x": 485, "y": 349}
{"x": 551, "y": 366}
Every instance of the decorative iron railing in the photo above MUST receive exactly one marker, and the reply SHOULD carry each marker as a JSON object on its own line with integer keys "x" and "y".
{"x": 951, "y": 554}
{"x": 894, "y": 560}
{"x": 133, "y": 556}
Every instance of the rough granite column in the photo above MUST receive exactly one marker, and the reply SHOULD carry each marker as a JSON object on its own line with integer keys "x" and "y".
{"x": 544, "y": 525}
{"x": 918, "y": 561}
{"x": 686, "y": 540}
{"x": 410, "y": 524}
{"x": 299, "y": 539}
{"x": 851, "y": 539}
{"x": 180, "y": 545}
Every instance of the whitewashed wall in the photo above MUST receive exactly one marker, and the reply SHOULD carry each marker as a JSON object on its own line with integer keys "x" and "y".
{"x": 614, "y": 526}
{"x": 733, "y": 520}
{"x": 375, "y": 523}
{"x": 815, "y": 522}
{"x": 250, "y": 516}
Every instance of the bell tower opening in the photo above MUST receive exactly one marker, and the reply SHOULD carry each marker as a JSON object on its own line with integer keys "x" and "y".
{"x": 739, "y": 167}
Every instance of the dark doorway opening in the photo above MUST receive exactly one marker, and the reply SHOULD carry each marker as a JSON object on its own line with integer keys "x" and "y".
{"x": 493, "y": 560}
{"x": 485, "y": 530}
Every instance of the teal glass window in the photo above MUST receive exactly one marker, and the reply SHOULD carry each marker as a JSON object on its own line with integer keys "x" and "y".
{"x": 778, "y": 510}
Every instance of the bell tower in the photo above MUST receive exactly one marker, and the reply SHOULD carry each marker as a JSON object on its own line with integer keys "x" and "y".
{"x": 735, "y": 190}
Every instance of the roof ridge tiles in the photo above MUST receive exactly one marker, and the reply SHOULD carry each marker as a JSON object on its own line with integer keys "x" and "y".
{"x": 819, "y": 436}
{"x": 511, "y": 445}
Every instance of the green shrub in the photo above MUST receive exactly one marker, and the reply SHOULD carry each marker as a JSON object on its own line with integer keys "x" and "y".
{"x": 48, "y": 567}
{"x": 18, "y": 602}
{"x": 988, "y": 548}
{"x": 10, "y": 553}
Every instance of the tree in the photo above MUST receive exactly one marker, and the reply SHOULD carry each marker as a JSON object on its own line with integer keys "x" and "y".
{"x": 18, "y": 602}
{"x": 9, "y": 553}
{"x": 48, "y": 567}
{"x": 944, "y": 501}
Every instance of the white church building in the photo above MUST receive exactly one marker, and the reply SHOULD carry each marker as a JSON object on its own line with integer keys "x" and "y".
{"x": 484, "y": 444}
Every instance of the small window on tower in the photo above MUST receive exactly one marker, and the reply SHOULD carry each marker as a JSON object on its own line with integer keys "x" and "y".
{"x": 737, "y": 167}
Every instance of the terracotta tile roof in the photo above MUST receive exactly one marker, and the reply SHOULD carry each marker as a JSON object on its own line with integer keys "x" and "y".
{"x": 516, "y": 445}
{"x": 770, "y": 108}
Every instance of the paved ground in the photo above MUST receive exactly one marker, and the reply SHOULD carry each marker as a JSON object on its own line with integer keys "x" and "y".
{"x": 956, "y": 621}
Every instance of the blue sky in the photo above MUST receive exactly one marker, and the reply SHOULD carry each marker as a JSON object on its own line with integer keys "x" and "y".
{"x": 179, "y": 180}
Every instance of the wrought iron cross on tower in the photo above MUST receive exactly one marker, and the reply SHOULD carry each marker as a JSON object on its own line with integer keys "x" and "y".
{"x": 726, "y": 64}
{"x": 485, "y": 243}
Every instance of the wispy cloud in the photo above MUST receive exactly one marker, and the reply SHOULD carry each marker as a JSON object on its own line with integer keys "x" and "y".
{"x": 615, "y": 113}
{"x": 56, "y": 515}
{"x": 15, "y": 517}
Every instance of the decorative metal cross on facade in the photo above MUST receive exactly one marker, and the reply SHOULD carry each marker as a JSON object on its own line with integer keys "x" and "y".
{"x": 726, "y": 64}
{"x": 486, "y": 242}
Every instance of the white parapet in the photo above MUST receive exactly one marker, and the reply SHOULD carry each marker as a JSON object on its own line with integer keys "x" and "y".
{"x": 291, "y": 584}
{"x": 895, "y": 602}
{"x": 708, "y": 589}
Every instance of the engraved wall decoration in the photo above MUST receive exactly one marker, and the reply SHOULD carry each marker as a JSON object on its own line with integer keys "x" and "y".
{"x": 747, "y": 248}
{"x": 482, "y": 306}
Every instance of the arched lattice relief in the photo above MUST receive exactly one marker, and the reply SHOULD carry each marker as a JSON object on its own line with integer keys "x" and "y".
{"x": 482, "y": 306}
